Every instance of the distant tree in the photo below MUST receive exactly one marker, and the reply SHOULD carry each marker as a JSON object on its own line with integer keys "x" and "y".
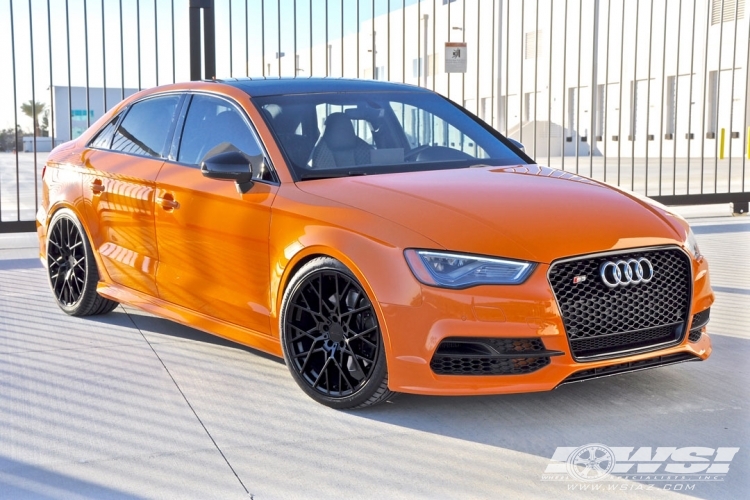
{"x": 33, "y": 110}
{"x": 44, "y": 127}
{"x": 8, "y": 136}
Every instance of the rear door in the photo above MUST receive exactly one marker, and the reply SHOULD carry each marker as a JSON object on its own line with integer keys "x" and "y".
{"x": 122, "y": 164}
{"x": 212, "y": 240}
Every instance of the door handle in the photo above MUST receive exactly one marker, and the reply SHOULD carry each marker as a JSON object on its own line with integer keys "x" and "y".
{"x": 167, "y": 202}
{"x": 97, "y": 187}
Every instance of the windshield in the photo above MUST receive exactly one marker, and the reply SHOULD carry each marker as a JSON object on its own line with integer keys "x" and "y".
{"x": 358, "y": 133}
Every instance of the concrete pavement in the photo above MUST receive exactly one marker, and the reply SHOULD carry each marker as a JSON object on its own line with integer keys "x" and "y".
{"x": 132, "y": 406}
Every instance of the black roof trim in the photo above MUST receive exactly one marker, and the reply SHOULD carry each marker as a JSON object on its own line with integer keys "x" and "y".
{"x": 267, "y": 86}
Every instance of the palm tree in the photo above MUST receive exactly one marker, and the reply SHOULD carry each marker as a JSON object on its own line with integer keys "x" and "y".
{"x": 33, "y": 110}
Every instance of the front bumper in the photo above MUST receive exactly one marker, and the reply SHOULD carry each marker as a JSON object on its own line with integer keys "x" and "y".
{"x": 526, "y": 311}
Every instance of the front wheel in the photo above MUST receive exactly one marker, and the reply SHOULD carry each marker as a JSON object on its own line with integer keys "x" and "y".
{"x": 71, "y": 268}
{"x": 331, "y": 337}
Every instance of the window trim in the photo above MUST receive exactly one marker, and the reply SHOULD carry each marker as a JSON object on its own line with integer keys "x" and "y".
{"x": 176, "y": 138}
{"x": 117, "y": 119}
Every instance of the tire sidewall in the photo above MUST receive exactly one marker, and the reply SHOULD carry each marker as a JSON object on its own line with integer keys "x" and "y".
{"x": 317, "y": 265}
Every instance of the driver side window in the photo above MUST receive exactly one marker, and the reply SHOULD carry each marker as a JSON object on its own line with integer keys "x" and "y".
{"x": 212, "y": 125}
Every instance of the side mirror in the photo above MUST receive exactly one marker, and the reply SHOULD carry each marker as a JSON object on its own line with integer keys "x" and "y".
{"x": 229, "y": 166}
{"x": 517, "y": 144}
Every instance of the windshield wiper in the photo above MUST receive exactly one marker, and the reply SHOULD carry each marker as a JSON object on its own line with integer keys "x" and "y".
{"x": 329, "y": 175}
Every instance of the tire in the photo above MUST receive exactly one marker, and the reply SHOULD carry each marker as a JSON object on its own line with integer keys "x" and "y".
{"x": 331, "y": 338}
{"x": 71, "y": 268}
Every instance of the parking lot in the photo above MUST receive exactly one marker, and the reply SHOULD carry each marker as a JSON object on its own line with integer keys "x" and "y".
{"x": 132, "y": 406}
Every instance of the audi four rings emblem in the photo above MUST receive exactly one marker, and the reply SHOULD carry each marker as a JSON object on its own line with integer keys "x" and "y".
{"x": 626, "y": 272}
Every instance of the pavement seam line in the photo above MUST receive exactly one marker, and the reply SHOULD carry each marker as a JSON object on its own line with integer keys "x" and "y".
{"x": 188, "y": 402}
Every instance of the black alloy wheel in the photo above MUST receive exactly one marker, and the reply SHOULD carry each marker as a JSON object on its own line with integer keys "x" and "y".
{"x": 331, "y": 337}
{"x": 71, "y": 268}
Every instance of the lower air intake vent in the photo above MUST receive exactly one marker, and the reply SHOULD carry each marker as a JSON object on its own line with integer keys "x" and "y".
{"x": 490, "y": 356}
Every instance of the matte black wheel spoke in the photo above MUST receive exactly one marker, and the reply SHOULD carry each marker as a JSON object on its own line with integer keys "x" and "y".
{"x": 66, "y": 262}
{"x": 333, "y": 349}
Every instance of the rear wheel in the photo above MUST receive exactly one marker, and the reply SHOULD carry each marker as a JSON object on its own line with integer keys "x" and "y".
{"x": 331, "y": 337}
{"x": 71, "y": 268}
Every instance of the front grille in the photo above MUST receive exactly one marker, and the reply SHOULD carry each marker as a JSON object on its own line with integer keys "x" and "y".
{"x": 695, "y": 335}
{"x": 601, "y": 321}
{"x": 490, "y": 356}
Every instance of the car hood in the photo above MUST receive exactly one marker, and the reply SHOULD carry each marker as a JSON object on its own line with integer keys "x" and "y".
{"x": 523, "y": 212}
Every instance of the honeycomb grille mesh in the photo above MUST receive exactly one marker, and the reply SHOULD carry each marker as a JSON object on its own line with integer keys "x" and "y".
{"x": 600, "y": 320}
{"x": 464, "y": 365}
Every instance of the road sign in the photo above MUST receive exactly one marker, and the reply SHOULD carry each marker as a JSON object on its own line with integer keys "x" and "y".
{"x": 455, "y": 57}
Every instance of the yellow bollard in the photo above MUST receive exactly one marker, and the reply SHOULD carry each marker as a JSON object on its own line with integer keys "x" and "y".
{"x": 721, "y": 144}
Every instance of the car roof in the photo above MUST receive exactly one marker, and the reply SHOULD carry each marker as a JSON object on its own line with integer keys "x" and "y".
{"x": 267, "y": 86}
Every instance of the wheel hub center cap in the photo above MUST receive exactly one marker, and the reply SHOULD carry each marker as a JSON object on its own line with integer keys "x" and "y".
{"x": 336, "y": 333}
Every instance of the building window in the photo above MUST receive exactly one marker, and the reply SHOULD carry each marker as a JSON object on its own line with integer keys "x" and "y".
{"x": 416, "y": 67}
{"x": 713, "y": 104}
{"x": 671, "y": 103}
{"x": 533, "y": 45}
{"x": 730, "y": 7}
{"x": 380, "y": 73}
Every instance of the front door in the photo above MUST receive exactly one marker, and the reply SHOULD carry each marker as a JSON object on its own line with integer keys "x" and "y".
{"x": 212, "y": 240}
{"x": 121, "y": 169}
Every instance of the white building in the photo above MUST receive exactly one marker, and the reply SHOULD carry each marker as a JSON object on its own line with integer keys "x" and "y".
{"x": 668, "y": 75}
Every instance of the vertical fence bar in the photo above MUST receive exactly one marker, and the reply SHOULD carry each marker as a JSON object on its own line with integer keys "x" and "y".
{"x": 33, "y": 105}
{"x": 328, "y": 55}
{"x": 434, "y": 42}
{"x": 479, "y": 30}
{"x": 718, "y": 99}
{"x": 231, "y": 58}
{"x": 493, "y": 107}
{"x": 373, "y": 39}
{"x": 746, "y": 125}
{"x": 156, "y": 43}
{"x": 86, "y": 58}
{"x": 388, "y": 37}
{"x": 448, "y": 39}
{"x": 536, "y": 69}
{"x": 577, "y": 136}
{"x": 70, "y": 97}
{"x": 122, "y": 56}
{"x": 174, "y": 64}
{"x": 247, "y": 36}
{"x": 619, "y": 105}
{"x": 138, "y": 35}
{"x": 663, "y": 76}
{"x": 296, "y": 69}
{"x": 520, "y": 88}
{"x": 731, "y": 100}
{"x": 51, "y": 88}
{"x": 594, "y": 87}
{"x": 549, "y": 86}
{"x": 634, "y": 99}
{"x": 263, "y": 35}
{"x": 342, "y": 38}
{"x": 104, "y": 62}
{"x": 358, "y": 74}
{"x": 690, "y": 97}
{"x": 311, "y": 42}
{"x": 676, "y": 94}
{"x": 648, "y": 88}
{"x": 705, "y": 88}
{"x": 605, "y": 111}
{"x": 463, "y": 39}
{"x": 564, "y": 88}
{"x": 420, "y": 62}
{"x": 278, "y": 27}
{"x": 15, "y": 110}
{"x": 403, "y": 42}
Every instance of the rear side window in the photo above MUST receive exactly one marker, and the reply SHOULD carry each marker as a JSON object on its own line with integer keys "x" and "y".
{"x": 104, "y": 138}
{"x": 146, "y": 126}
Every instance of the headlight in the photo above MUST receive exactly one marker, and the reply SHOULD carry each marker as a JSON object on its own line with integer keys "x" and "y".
{"x": 452, "y": 270}
{"x": 692, "y": 245}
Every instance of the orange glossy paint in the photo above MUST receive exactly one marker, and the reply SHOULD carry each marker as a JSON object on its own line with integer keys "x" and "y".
{"x": 220, "y": 260}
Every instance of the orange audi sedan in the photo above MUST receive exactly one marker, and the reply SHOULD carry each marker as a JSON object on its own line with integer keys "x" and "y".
{"x": 379, "y": 237}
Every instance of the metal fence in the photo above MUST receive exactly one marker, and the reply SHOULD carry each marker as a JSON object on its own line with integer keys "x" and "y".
{"x": 649, "y": 95}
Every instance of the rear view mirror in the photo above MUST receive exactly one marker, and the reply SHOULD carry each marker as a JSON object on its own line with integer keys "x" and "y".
{"x": 229, "y": 166}
{"x": 517, "y": 144}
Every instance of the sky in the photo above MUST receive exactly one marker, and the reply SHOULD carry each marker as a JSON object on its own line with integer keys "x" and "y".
{"x": 76, "y": 31}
